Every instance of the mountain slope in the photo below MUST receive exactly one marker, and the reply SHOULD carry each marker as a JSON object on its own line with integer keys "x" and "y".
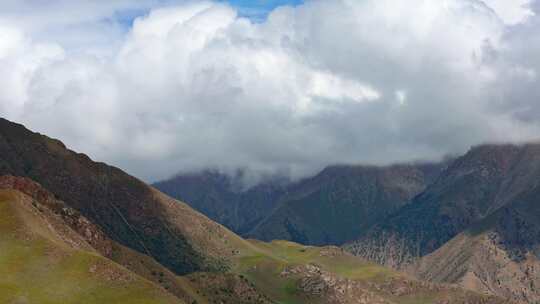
{"x": 82, "y": 233}
{"x": 43, "y": 261}
{"x": 342, "y": 202}
{"x": 473, "y": 187}
{"x": 335, "y": 206}
{"x": 129, "y": 212}
{"x": 222, "y": 198}
{"x": 499, "y": 255}
{"x": 68, "y": 219}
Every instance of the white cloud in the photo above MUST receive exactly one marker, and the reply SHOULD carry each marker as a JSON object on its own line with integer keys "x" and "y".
{"x": 329, "y": 86}
{"x": 513, "y": 11}
{"x": 194, "y": 86}
{"x": 20, "y": 60}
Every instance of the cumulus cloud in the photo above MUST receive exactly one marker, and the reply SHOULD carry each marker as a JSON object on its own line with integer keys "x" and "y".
{"x": 194, "y": 86}
{"x": 511, "y": 12}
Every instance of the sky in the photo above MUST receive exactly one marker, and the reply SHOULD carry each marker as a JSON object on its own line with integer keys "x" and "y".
{"x": 258, "y": 10}
{"x": 160, "y": 87}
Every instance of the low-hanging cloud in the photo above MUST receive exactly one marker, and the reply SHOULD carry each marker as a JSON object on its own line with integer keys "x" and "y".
{"x": 194, "y": 86}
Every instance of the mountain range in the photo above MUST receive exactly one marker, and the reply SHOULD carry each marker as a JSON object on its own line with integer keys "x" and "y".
{"x": 78, "y": 231}
{"x": 333, "y": 207}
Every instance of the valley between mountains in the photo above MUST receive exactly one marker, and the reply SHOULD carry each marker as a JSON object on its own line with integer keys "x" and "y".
{"x": 77, "y": 231}
{"x": 472, "y": 220}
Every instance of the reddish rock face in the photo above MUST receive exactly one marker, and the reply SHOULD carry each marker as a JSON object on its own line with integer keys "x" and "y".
{"x": 26, "y": 186}
{"x": 43, "y": 199}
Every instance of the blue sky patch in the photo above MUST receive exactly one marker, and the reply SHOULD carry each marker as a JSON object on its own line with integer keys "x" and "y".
{"x": 257, "y": 10}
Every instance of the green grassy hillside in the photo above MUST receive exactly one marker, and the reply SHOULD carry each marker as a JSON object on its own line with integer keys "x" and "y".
{"x": 290, "y": 273}
{"x": 42, "y": 265}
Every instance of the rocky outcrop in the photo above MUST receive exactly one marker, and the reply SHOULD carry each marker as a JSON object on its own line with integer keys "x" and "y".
{"x": 46, "y": 202}
{"x": 317, "y": 283}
